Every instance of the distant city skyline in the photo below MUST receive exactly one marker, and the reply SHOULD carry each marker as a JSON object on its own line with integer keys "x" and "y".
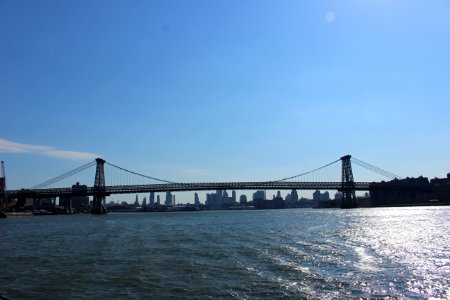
{"x": 216, "y": 91}
{"x": 223, "y": 199}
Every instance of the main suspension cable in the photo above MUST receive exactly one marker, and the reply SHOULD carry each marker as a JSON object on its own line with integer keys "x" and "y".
{"x": 64, "y": 176}
{"x": 375, "y": 169}
{"x": 306, "y": 173}
{"x": 142, "y": 175}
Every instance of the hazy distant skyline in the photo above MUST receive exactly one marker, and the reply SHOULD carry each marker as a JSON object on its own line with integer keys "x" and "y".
{"x": 223, "y": 90}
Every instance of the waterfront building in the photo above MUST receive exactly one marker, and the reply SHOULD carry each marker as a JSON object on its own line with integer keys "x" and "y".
{"x": 441, "y": 181}
{"x": 276, "y": 203}
{"x": 80, "y": 203}
{"x": 323, "y": 200}
{"x": 220, "y": 200}
{"x": 75, "y": 203}
{"x": 158, "y": 200}
{"x": 3, "y": 194}
{"x": 259, "y": 195}
{"x": 47, "y": 204}
{"x": 435, "y": 191}
{"x": 318, "y": 196}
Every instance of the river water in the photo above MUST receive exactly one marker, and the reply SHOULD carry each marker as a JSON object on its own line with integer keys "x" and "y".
{"x": 259, "y": 254}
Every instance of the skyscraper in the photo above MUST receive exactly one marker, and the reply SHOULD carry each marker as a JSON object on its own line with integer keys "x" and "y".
{"x": 317, "y": 195}
{"x": 233, "y": 197}
{"x": 219, "y": 195}
{"x": 294, "y": 196}
{"x": 152, "y": 199}
{"x": 196, "y": 200}
{"x": 168, "y": 198}
{"x": 292, "y": 199}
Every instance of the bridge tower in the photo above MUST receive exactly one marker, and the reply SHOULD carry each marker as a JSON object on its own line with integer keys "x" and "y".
{"x": 3, "y": 195}
{"x": 99, "y": 205}
{"x": 348, "y": 184}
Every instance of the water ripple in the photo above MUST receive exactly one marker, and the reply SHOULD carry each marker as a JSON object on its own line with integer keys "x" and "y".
{"x": 273, "y": 254}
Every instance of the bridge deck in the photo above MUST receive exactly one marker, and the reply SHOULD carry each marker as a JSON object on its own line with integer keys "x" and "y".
{"x": 179, "y": 187}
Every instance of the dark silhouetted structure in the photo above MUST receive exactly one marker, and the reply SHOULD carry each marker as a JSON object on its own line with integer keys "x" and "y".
{"x": 382, "y": 193}
{"x": 3, "y": 194}
{"x": 348, "y": 184}
{"x": 411, "y": 191}
{"x": 99, "y": 205}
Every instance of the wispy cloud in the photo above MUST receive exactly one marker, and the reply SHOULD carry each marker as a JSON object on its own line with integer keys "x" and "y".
{"x": 330, "y": 17}
{"x": 13, "y": 147}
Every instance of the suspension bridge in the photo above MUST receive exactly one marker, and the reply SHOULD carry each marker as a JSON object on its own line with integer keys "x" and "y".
{"x": 100, "y": 190}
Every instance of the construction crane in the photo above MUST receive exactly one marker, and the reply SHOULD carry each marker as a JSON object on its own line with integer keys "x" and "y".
{"x": 2, "y": 171}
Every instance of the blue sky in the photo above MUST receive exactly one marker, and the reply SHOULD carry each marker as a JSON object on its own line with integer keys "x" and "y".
{"x": 223, "y": 90}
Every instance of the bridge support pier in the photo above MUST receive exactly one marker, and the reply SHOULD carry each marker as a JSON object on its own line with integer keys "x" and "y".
{"x": 348, "y": 184}
{"x": 99, "y": 205}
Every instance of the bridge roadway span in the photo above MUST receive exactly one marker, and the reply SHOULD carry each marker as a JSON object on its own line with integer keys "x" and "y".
{"x": 180, "y": 187}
